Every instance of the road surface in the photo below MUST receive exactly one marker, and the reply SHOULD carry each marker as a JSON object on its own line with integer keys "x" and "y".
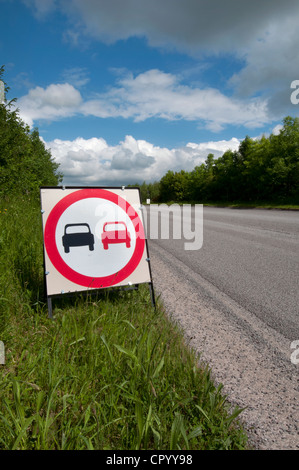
{"x": 236, "y": 299}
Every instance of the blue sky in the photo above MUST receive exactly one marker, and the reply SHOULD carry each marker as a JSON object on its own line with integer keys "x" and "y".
{"x": 123, "y": 90}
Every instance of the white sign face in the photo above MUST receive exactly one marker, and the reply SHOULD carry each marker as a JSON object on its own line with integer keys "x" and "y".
{"x": 93, "y": 238}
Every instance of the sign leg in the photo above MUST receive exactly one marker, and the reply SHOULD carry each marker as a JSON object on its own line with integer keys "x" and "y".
{"x": 50, "y": 312}
{"x": 152, "y": 293}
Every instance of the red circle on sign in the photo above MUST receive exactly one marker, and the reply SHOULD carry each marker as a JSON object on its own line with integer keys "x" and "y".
{"x": 62, "y": 266}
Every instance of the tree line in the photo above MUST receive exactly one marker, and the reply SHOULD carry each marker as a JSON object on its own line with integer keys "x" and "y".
{"x": 261, "y": 170}
{"x": 25, "y": 163}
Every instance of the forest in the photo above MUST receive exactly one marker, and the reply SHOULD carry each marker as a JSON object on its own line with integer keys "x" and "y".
{"x": 261, "y": 170}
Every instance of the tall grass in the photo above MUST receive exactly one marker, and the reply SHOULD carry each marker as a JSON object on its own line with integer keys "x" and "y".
{"x": 109, "y": 372}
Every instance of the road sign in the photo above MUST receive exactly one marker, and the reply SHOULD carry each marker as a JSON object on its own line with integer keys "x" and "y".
{"x": 93, "y": 238}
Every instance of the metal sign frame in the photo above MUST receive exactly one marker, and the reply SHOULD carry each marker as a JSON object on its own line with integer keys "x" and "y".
{"x": 53, "y": 213}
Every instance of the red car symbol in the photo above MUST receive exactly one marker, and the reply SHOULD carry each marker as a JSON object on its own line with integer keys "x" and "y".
{"x": 77, "y": 238}
{"x": 119, "y": 234}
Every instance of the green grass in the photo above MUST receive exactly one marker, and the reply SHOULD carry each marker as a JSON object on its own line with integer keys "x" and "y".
{"x": 109, "y": 372}
{"x": 257, "y": 205}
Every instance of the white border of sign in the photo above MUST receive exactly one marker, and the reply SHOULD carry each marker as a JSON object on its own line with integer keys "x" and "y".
{"x": 76, "y": 255}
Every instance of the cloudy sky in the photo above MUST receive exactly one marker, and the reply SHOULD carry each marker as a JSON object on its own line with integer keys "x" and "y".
{"x": 124, "y": 90}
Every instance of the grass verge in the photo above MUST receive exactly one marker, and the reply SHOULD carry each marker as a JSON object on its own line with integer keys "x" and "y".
{"x": 238, "y": 205}
{"x": 109, "y": 372}
{"x": 258, "y": 205}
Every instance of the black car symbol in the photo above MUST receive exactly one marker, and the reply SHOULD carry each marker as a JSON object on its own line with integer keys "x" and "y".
{"x": 79, "y": 238}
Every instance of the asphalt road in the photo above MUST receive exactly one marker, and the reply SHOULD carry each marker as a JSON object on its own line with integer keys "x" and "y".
{"x": 250, "y": 255}
{"x": 237, "y": 299}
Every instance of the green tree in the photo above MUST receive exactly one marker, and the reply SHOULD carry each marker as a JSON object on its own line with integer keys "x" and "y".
{"x": 197, "y": 178}
{"x": 224, "y": 177}
{"x": 25, "y": 163}
{"x": 265, "y": 169}
{"x": 153, "y": 191}
{"x": 284, "y": 167}
{"x": 175, "y": 186}
{"x": 167, "y": 192}
{"x": 209, "y": 178}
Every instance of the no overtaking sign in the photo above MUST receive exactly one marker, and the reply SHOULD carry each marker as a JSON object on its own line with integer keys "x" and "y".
{"x": 93, "y": 239}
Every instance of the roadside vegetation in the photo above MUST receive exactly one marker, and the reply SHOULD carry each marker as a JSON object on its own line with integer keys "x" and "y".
{"x": 25, "y": 164}
{"x": 109, "y": 371}
{"x": 261, "y": 173}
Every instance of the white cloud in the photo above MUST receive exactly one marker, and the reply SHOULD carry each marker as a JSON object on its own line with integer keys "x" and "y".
{"x": 193, "y": 25}
{"x": 76, "y": 76}
{"x": 94, "y": 162}
{"x": 271, "y": 65}
{"x": 161, "y": 95}
{"x": 54, "y": 102}
{"x": 150, "y": 94}
{"x": 41, "y": 8}
{"x": 264, "y": 34}
{"x": 277, "y": 129}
